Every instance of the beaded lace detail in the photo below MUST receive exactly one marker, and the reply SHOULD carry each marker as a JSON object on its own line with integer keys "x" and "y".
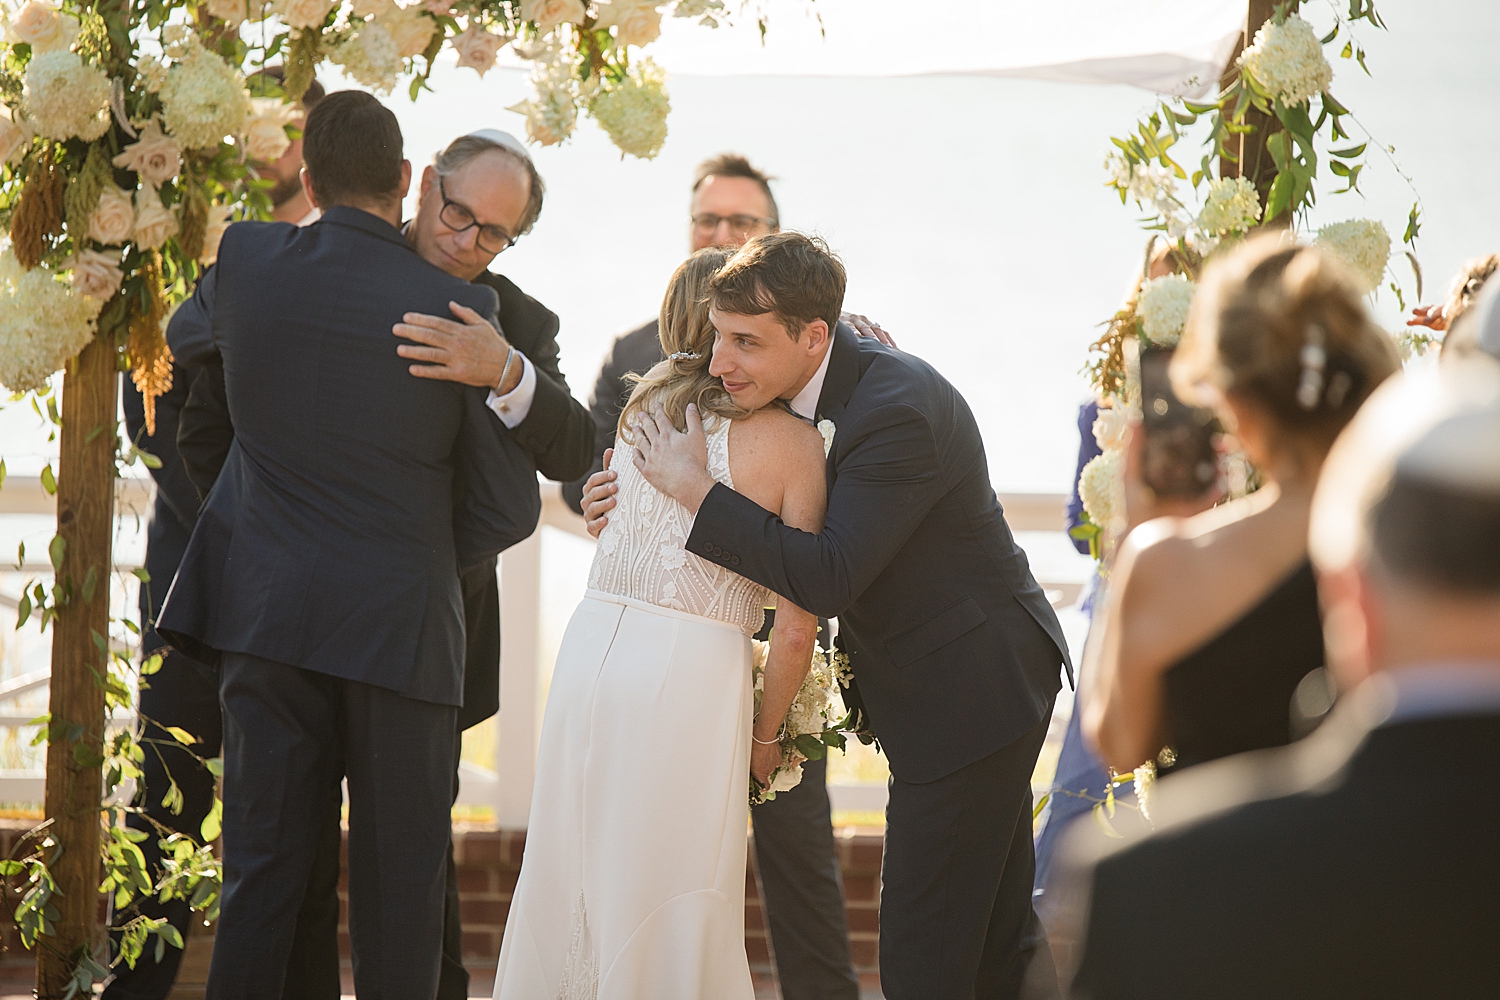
{"x": 641, "y": 554}
{"x": 580, "y": 980}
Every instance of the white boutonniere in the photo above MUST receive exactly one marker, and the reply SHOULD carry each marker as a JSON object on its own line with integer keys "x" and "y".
{"x": 826, "y": 428}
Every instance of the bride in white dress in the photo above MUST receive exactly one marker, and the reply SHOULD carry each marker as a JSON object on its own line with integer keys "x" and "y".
{"x": 633, "y": 882}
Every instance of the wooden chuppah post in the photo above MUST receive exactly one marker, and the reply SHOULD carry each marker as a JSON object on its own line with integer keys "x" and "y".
{"x": 80, "y": 637}
{"x": 1254, "y": 163}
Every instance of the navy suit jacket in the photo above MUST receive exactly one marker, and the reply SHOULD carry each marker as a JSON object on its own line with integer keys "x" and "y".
{"x": 353, "y": 493}
{"x": 955, "y": 649}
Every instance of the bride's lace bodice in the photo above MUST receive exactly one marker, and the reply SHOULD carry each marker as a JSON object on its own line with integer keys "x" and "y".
{"x": 641, "y": 552}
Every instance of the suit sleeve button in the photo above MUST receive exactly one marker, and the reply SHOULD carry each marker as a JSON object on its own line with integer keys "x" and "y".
{"x": 708, "y": 547}
{"x": 734, "y": 560}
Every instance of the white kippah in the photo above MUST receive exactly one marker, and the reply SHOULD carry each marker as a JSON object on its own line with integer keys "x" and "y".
{"x": 500, "y": 138}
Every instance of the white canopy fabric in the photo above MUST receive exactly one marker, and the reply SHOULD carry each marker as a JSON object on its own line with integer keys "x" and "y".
{"x": 1166, "y": 46}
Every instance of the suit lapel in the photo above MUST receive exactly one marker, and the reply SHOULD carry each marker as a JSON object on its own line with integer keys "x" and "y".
{"x": 843, "y": 374}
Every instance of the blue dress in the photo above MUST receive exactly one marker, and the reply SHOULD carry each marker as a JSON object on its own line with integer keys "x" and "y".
{"x": 1078, "y": 770}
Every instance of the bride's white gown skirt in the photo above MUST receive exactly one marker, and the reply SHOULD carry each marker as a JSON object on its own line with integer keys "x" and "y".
{"x": 633, "y": 881}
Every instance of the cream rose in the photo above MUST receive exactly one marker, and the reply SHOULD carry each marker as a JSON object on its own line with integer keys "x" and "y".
{"x": 265, "y": 129}
{"x": 372, "y": 8}
{"x": 96, "y": 274}
{"x": 156, "y": 157}
{"x": 232, "y": 12}
{"x": 410, "y": 29}
{"x": 303, "y": 13}
{"x": 477, "y": 48}
{"x": 636, "y": 22}
{"x": 42, "y": 27}
{"x": 548, "y": 14}
{"x": 14, "y": 136}
{"x": 114, "y": 219}
{"x": 155, "y": 223}
{"x": 218, "y": 221}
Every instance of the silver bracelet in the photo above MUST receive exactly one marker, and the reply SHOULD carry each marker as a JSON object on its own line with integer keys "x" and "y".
{"x": 766, "y": 743}
{"x": 510, "y": 359}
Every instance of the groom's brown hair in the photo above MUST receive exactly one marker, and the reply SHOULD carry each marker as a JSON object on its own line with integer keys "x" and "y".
{"x": 794, "y": 277}
{"x": 352, "y": 149}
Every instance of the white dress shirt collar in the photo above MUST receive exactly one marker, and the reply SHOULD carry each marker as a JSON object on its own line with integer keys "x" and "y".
{"x": 805, "y": 403}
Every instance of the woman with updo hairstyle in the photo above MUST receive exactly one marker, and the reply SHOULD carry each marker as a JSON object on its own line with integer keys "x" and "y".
{"x": 1211, "y": 631}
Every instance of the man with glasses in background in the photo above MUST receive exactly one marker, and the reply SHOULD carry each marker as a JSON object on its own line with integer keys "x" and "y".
{"x": 800, "y": 882}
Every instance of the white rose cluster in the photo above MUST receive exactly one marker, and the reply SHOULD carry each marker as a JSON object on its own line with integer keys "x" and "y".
{"x": 65, "y": 97}
{"x": 1232, "y": 206}
{"x": 1101, "y": 488}
{"x": 1361, "y": 245}
{"x": 156, "y": 157}
{"x": 634, "y": 111}
{"x": 303, "y": 13}
{"x": 1162, "y": 308}
{"x": 410, "y": 28}
{"x": 42, "y": 324}
{"x": 43, "y": 27}
{"x": 1286, "y": 60}
{"x": 813, "y": 710}
{"x": 548, "y": 14}
{"x": 477, "y": 48}
{"x": 264, "y": 132}
{"x": 1110, "y": 426}
{"x": 203, "y": 99}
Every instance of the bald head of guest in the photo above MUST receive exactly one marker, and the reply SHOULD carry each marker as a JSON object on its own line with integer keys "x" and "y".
{"x": 1406, "y": 527}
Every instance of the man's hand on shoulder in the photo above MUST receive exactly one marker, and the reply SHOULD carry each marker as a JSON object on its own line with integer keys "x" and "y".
{"x": 867, "y": 327}
{"x": 673, "y": 461}
{"x": 470, "y": 351}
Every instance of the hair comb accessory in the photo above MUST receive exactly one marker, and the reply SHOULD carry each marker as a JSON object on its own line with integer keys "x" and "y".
{"x": 684, "y": 356}
{"x": 1314, "y": 359}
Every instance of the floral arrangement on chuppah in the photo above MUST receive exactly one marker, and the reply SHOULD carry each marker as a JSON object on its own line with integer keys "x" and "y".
{"x": 1278, "y": 89}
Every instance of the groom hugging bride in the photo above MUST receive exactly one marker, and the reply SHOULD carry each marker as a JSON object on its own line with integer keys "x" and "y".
{"x": 722, "y": 493}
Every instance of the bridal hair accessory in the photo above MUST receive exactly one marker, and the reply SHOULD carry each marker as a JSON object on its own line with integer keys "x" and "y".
{"x": 500, "y": 138}
{"x": 684, "y": 356}
{"x": 1314, "y": 359}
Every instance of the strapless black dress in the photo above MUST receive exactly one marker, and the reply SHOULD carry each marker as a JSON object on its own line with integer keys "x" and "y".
{"x": 1234, "y": 693}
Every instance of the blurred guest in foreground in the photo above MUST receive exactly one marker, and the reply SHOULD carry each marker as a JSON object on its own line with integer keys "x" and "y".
{"x": 1361, "y": 861}
{"x": 1211, "y": 622}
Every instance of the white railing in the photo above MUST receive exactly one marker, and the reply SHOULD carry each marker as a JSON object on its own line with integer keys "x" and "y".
{"x": 507, "y": 791}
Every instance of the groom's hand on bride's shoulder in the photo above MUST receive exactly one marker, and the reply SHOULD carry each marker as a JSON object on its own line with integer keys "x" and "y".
{"x": 470, "y": 350}
{"x": 675, "y": 462}
{"x": 599, "y": 496}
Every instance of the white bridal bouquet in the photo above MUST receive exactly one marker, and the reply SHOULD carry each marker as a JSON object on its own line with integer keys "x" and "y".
{"x": 813, "y": 723}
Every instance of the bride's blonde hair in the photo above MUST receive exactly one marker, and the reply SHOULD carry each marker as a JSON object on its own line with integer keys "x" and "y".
{"x": 687, "y": 339}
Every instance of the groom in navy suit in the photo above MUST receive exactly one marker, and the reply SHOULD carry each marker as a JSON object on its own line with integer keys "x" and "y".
{"x": 322, "y": 577}
{"x": 956, "y": 652}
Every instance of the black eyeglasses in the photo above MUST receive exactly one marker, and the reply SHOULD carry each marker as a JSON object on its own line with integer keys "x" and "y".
{"x": 492, "y": 239}
{"x": 740, "y": 225}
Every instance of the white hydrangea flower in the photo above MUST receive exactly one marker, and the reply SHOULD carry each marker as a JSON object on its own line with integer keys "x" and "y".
{"x": 66, "y": 97}
{"x": 1163, "y": 307}
{"x": 1232, "y": 206}
{"x": 634, "y": 111}
{"x": 1286, "y": 60}
{"x": 370, "y": 56}
{"x": 203, "y": 100}
{"x": 42, "y": 324}
{"x": 1151, "y": 186}
{"x": 152, "y": 73}
{"x": 1110, "y": 426}
{"x": 1362, "y": 245}
{"x": 1101, "y": 488}
{"x": 552, "y": 113}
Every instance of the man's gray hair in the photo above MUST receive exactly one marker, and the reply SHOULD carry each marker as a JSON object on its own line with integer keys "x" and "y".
{"x": 466, "y": 147}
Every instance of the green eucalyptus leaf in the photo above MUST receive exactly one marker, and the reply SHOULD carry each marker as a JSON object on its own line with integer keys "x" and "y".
{"x": 49, "y": 481}
{"x": 1351, "y": 152}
